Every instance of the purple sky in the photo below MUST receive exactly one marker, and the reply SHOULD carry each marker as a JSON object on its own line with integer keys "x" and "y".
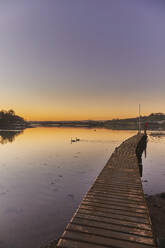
{"x": 82, "y": 59}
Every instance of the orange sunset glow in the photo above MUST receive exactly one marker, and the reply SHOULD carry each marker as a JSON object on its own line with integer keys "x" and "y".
{"x": 73, "y": 64}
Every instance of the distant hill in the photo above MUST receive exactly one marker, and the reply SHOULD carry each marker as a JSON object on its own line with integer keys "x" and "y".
{"x": 154, "y": 121}
{"x": 9, "y": 120}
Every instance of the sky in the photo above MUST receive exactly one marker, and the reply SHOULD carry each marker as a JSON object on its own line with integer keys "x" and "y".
{"x": 82, "y": 59}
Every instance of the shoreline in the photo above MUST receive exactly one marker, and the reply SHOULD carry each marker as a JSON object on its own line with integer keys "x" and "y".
{"x": 156, "y": 206}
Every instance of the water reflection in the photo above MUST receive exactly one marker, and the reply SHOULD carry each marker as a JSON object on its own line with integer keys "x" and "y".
{"x": 139, "y": 156}
{"x": 139, "y": 151}
{"x": 8, "y": 136}
{"x": 154, "y": 167}
{"x": 43, "y": 178}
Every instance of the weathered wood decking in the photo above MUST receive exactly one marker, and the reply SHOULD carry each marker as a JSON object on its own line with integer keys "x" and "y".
{"x": 113, "y": 213}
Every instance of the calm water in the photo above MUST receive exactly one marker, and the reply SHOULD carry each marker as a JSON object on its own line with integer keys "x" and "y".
{"x": 154, "y": 164}
{"x": 43, "y": 178}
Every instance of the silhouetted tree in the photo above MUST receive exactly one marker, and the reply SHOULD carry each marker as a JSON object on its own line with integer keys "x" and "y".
{"x": 8, "y": 119}
{"x": 11, "y": 112}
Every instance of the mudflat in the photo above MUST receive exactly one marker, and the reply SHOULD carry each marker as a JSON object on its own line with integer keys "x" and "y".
{"x": 156, "y": 205}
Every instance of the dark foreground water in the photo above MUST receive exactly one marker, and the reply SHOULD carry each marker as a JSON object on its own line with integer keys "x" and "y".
{"x": 43, "y": 178}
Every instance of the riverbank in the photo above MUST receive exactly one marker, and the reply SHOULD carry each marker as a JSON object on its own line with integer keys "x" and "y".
{"x": 156, "y": 205}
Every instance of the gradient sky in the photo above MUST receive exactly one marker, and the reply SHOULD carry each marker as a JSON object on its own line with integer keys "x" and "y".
{"x": 82, "y": 59}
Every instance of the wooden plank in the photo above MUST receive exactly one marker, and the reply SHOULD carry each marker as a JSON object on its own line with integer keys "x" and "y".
{"x": 120, "y": 197}
{"x": 114, "y": 211}
{"x": 117, "y": 188}
{"x": 122, "y": 203}
{"x": 114, "y": 190}
{"x": 114, "y": 216}
{"x": 110, "y": 226}
{"x": 114, "y": 221}
{"x": 116, "y": 193}
{"x": 110, "y": 234}
{"x": 94, "y": 239}
{"x": 116, "y": 206}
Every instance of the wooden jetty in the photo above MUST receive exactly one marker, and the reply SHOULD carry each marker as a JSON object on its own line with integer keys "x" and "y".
{"x": 113, "y": 213}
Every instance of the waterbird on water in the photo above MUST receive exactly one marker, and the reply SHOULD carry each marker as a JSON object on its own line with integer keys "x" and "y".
{"x": 73, "y": 140}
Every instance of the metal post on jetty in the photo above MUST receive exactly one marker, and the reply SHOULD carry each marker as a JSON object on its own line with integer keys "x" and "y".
{"x": 139, "y": 120}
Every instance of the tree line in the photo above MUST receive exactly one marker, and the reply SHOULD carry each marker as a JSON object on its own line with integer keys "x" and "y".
{"x": 10, "y": 119}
